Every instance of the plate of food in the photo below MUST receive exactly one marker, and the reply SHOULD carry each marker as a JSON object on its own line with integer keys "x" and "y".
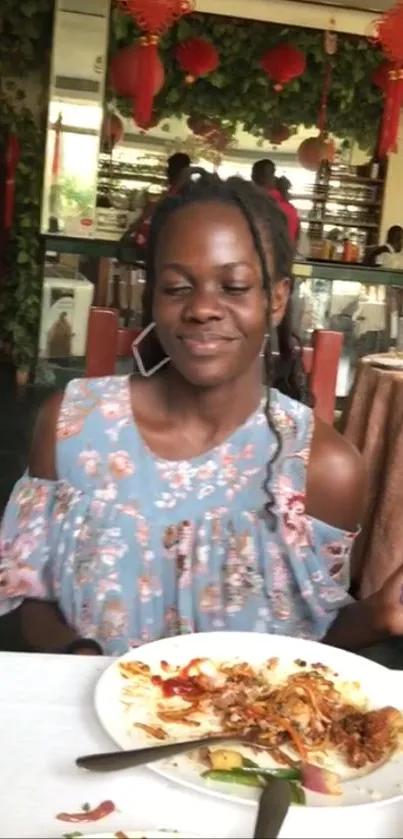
{"x": 320, "y": 717}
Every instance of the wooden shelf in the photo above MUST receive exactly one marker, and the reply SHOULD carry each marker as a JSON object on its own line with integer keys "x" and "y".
{"x": 335, "y": 223}
{"x": 322, "y": 199}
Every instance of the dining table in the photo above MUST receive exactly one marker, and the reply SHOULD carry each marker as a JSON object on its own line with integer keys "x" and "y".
{"x": 47, "y": 719}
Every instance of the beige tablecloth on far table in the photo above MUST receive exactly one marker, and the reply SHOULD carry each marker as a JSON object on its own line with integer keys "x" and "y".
{"x": 373, "y": 422}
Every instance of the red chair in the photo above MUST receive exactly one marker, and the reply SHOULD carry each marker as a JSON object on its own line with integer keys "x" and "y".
{"x": 106, "y": 342}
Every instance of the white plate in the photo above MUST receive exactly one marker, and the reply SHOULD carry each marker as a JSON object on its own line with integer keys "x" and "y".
{"x": 140, "y": 834}
{"x": 383, "y": 784}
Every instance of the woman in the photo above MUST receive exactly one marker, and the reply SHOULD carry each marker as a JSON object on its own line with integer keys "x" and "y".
{"x": 180, "y": 501}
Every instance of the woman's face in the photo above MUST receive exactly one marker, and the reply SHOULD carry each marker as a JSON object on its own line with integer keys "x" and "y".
{"x": 210, "y": 308}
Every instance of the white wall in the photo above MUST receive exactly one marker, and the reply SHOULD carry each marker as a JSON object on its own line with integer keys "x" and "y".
{"x": 392, "y": 212}
{"x": 292, "y": 13}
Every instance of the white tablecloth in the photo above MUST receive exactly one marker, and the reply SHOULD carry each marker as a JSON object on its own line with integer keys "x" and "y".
{"x": 47, "y": 720}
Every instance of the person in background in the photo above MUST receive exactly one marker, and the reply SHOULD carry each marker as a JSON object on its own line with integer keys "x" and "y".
{"x": 264, "y": 176}
{"x": 136, "y": 236}
{"x": 284, "y": 186}
{"x": 390, "y": 254}
{"x": 177, "y": 167}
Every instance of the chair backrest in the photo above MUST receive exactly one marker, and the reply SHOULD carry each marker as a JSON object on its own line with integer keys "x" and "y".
{"x": 106, "y": 342}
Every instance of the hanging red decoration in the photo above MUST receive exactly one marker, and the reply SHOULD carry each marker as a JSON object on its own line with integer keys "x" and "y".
{"x": 283, "y": 64}
{"x": 380, "y": 76}
{"x": 389, "y": 33}
{"x": 111, "y": 132}
{"x": 153, "y": 17}
{"x": 314, "y": 150}
{"x": 277, "y": 134}
{"x": 126, "y": 78}
{"x": 391, "y": 113}
{"x": 389, "y": 36}
{"x": 196, "y": 57}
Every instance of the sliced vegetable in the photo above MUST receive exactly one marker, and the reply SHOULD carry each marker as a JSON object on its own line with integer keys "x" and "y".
{"x": 297, "y": 793}
{"x": 247, "y": 763}
{"x": 234, "y": 776}
{"x": 291, "y": 773}
{"x": 317, "y": 779}
{"x": 225, "y": 759}
{"x": 293, "y": 734}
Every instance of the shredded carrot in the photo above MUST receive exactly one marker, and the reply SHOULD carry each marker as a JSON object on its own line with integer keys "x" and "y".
{"x": 299, "y": 745}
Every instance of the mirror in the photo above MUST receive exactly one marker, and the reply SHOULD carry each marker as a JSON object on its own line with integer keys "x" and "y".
{"x": 75, "y": 116}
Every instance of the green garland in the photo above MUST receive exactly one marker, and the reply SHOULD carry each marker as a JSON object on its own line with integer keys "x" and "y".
{"x": 239, "y": 92}
{"x": 26, "y": 29}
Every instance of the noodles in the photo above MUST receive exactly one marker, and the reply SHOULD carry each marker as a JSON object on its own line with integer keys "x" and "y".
{"x": 297, "y": 716}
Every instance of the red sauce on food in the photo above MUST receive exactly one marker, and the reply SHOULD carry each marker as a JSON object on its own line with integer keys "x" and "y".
{"x": 182, "y": 684}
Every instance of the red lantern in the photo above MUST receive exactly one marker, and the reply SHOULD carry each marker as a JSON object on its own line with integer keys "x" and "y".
{"x": 283, "y": 64}
{"x": 196, "y": 57}
{"x": 277, "y": 134}
{"x": 111, "y": 132}
{"x": 153, "y": 17}
{"x": 313, "y": 151}
{"x": 389, "y": 36}
{"x": 126, "y": 78}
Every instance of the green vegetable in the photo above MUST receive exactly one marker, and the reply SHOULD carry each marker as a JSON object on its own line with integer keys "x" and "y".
{"x": 291, "y": 773}
{"x": 297, "y": 793}
{"x": 254, "y": 776}
{"x": 249, "y": 764}
{"x": 234, "y": 776}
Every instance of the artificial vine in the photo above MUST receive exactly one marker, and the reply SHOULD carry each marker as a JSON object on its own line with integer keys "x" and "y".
{"x": 25, "y": 43}
{"x": 239, "y": 92}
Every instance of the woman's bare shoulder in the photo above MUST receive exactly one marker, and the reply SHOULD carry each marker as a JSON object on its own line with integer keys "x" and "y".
{"x": 42, "y": 458}
{"x": 336, "y": 479}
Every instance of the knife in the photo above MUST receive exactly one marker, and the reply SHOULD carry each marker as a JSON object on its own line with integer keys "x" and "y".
{"x": 273, "y": 808}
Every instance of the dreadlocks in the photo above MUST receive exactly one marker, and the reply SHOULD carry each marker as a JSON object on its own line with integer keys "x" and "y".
{"x": 268, "y": 226}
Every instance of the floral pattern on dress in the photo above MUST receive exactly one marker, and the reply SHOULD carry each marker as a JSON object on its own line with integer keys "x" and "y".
{"x": 133, "y": 547}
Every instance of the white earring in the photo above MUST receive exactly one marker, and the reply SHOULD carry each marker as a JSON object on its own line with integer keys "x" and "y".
{"x": 137, "y": 355}
{"x": 264, "y": 344}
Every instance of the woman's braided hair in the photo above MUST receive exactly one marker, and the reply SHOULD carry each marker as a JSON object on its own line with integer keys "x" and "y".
{"x": 268, "y": 226}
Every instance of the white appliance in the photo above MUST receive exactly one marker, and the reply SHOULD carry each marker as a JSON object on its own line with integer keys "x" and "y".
{"x": 66, "y": 302}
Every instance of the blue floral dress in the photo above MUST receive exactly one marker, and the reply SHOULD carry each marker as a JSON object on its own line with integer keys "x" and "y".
{"x": 134, "y": 547}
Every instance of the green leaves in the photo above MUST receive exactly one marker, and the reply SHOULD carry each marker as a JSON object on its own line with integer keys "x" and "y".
{"x": 26, "y": 32}
{"x": 240, "y": 92}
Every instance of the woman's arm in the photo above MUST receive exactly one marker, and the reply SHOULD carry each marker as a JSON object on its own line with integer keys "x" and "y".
{"x": 358, "y": 625}
{"x": 43, "y": 627}
{"x": 336, "y": 487}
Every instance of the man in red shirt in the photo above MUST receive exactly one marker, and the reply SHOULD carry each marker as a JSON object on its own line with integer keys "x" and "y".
{"x": 264, "y": 176}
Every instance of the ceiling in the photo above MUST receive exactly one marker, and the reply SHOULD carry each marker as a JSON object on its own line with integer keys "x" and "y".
{"x": 362, "y": 5}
